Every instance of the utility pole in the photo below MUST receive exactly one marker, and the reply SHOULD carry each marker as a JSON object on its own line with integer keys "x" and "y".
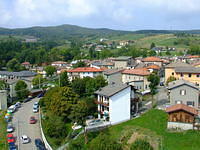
{"x": 39, "y": 81}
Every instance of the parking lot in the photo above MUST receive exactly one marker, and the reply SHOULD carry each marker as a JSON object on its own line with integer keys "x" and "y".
{"x": 22, "y": 126}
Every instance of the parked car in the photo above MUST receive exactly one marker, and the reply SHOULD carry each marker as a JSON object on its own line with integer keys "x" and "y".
{"x": 11, "y": 109}
{"x": 41, "y": 95}
{"x": 10, "y": 128}
{"x": 12, "y": 146}
{"x": 161, "y": 83}
{"x": 10, "y": 138}
{"x": 35, "y": 105}
{"x": 25, "y": 139}
{"x": 18, "y": 105}
{"x": 32, "y": 120}
{"x": 35, "y": 110}
{"x": 39, "y": 144}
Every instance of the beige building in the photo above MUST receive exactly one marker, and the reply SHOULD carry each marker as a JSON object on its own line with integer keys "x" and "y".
{"x": 137, "y": 78}
{"x": 153, "y": 61}
{"x": 123, "y": 61}
{"x": 170, "y": 69}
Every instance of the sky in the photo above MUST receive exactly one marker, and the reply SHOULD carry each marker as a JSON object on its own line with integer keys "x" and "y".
{"x": 115, "y": 14}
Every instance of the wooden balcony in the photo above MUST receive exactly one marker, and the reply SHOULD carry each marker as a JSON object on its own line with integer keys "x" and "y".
{"x": 101, "y": 103}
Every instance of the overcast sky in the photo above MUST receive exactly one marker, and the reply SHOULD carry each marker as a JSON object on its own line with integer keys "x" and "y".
{"x": 115, "y": 14}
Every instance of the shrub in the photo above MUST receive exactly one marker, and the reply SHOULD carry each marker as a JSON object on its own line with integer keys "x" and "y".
{"x": 141, "y": 144}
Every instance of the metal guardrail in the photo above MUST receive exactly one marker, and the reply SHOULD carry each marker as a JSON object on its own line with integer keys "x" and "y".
{"x": 43, "y": 136}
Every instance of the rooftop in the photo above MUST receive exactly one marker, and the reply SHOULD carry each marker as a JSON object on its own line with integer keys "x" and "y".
{"x": 111, "y": 89}
{"x": 177, "y": 64}
{"x": 138, "y": 71}
{"x": 187, "y": 70}
{"x": 152, "y": 59}
{"x": 86, "y": 69}
{"x": 123, "y": 58}
{"x": 59, "y": 62}
{"x": 178, "y": 83}
{"x": 112, "y": 71}
{"x": 184, "y": 107}
{"x": 156, "y": 67}
{"x": 19, "y": 74}
{"x": 26, "y": 63}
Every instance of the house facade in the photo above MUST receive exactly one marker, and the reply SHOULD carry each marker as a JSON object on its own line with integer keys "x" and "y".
{"x": 153, "y": 61}
{"x": 82, "y": 72}
{"x": 59, "y": 64}
{"x": 3, "y": 99}
{"x": 123, "y": 61}
{"x": 114, "y": 102}
{"x": 136, "y": 78}
{"x": 113, "y": 75}
{"x": 181, "y": 116}
{"x": 184, "y": 92}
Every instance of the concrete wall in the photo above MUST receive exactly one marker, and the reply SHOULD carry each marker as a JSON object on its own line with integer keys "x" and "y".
{"x": 179, "y": 125}
{"x": 191, "y": 95}
{"x": 116, "y": 77}
{"x": 120, "y": 105}
{"x": 121, "y": 64}
{"x": 3, "y": 99}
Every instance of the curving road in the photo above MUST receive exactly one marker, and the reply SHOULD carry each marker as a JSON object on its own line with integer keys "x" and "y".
{"x": 21, "y": 123}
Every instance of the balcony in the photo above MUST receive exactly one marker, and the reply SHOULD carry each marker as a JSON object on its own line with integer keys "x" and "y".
{"x": 102, "y": 103}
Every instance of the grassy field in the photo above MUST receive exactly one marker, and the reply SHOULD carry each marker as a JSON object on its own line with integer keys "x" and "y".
{"x": 153, "y": 127}
{"x": 3, "y": 133}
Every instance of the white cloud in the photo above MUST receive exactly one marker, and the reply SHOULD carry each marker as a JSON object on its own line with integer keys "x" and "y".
{"x": 18, "y": 13}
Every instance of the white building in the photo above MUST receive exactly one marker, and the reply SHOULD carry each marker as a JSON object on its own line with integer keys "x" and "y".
{"x": 114, "y": 102}
{"x": 82, "y": 72}
{"x": 59, "y": 64}
{"x": 3, "y": 99}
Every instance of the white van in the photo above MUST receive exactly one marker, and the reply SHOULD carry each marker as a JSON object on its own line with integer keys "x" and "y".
{"x": 11, "y": 109}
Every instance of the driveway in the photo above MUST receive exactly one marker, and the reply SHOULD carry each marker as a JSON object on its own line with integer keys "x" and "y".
{"x": 22, "y": 127}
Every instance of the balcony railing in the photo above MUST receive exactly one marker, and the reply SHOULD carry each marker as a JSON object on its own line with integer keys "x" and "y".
{"x": 102, "y": 103}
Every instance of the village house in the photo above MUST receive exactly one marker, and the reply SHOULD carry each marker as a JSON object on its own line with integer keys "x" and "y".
{"x": 153, "y": 60}
{"x": 27, "y": 65}
{"x": 170, "y": 69}
{"x": 101, "y": 64}
{"x": 113, "y": 75}
{"x": 181, "y": 116}
{"x": 59, "y": 64}
{"x": 82, "y": 72}
{"x": 137, "y": 78}
{"x": 114, "y": 102}
{"x": 184, "y": 92}
{"x": 123, "y": 61}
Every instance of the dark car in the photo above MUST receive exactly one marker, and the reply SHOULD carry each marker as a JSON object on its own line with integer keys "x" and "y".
{"x": 41, "y": 95}
{"x": 12, "y": 146}
{"x": 39, "y": 144}
{"x": 32, "y": 120}
{"x": 28, "y": 99}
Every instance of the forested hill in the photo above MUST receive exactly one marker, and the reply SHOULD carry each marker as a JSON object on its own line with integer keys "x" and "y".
{"x": 62, "y": 32}
{"x": 76, "y": 32}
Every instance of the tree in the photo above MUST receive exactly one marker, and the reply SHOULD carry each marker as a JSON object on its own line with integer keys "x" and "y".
{"x": 79, "y": 114}
{"x": 14, "y": 65}
{"x": 38, "y": 81}
{"x": 104, "y": 142}
{"x": 152, "y": 45}
{"x": 21, "y": 89}
{"x": 59, "y": 101}
{"x": 154, "y": 81}
{"x": 50, "y": 70}
{"x": 152, "y": 53}
{"x": 168, "y": 53}
{"x": 3, "y": 85}
{"x": 141, "y": 144}
{"x": 64, "y": 81}
{"x": 79, "y": 64}
{"x": 170, "y": 79}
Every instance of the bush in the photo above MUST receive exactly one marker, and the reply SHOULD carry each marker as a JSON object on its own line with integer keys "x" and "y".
{"x": 141, "y": 144}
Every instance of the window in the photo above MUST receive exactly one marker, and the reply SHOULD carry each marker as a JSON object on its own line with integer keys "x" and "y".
{"x": 172, "y": 73}
{"x": 190, "y": 103}
{"x": 189, "y": 75}
{"x": 198, "y": 75}
{"x": 182, "y": 92}
{"x": 182, "y": 75}
{"x": 178, "y": 102}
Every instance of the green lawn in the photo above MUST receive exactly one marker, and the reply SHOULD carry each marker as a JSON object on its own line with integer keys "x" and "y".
{"x": 152, "y": 125}
{"x": 3, "y": 133}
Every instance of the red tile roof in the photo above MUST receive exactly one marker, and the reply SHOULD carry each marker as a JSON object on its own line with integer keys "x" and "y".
{"x": 26, "y": 63}
{"x": 194, "y": 56}
{"x": 152, "y": 59}
{"x": 86, "y": 69}
{"x": 153, "y": 67}
{"x": 182, "y": 107}
{"x": 138, "y": 71}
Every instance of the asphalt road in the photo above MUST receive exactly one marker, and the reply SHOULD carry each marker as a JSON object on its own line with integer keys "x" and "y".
{"x": 22, "y": 127}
